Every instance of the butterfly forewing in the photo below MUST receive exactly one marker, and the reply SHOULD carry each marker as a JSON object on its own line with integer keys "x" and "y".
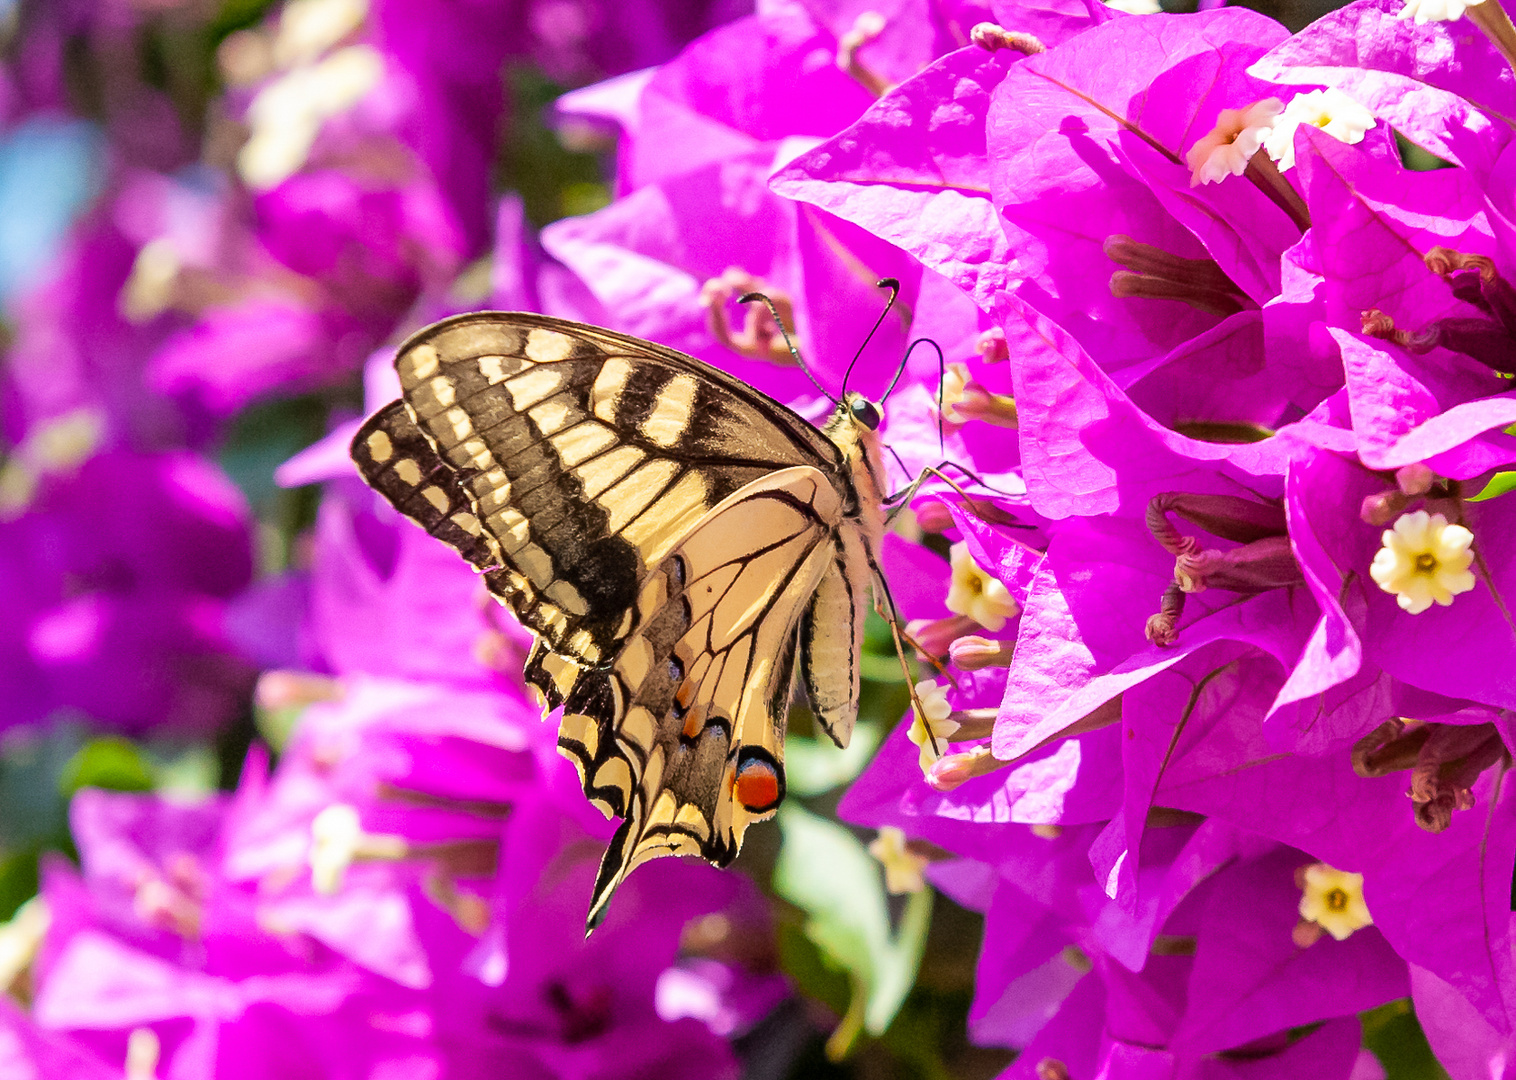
{"x": 586, "y": 456}
{"x": 398, "y": 462}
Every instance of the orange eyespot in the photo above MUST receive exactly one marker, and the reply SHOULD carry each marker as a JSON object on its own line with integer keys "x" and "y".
{"x": 757, "y": 786}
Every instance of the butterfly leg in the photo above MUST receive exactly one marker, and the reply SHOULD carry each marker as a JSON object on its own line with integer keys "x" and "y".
{"x": 884, "y": 604}
{"x": 901, "y": 499}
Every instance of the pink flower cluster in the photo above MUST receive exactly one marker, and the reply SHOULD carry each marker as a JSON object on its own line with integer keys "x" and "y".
{"x": 1213, "y": 560}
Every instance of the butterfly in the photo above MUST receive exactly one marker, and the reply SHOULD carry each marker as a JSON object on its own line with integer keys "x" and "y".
{"x": 682, "y": 547}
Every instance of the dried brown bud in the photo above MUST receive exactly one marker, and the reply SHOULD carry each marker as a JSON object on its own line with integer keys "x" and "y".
{"x": 992, "y": 38}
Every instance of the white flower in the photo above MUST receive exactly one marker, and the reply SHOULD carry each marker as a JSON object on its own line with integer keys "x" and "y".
{"x": 1333, "y": 900}
{"x": 976, "y": 594}
{"x": 1426, "y": 11}
{"x": 149, "y": 290}
{"x": 287, "y": 114}
{"x": 902, "y": 866}
{"x": 59, "y": 444}
{"x": 1331, "y": 110}
{"x": 307, "y": 28}
{"x": 335, "y": 835}
{"x": 1135, "y": 7}
{"x": 1424, "y": 559}
{"x": 931, "y": 722}
{"x": 1232, "y": 143}
{"x": 21, "y": 938}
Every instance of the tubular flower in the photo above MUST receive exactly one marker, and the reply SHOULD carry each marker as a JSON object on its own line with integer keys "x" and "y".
{"x": 1333, "y": 900}
{"x": 1330, "y": 110}
{"x": 337, "y": 839}
{"x": 1232, "y": 143}
{"x": 976, "y": 594}
{"x": 759, "y": 337}
{"x": 1487, "y": 337}
{"x": 1424, "y": 559}
{"x": 287, "y": 115}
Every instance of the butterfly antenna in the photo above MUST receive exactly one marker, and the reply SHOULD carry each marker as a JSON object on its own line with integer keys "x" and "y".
{"x": 747, "y": 298}
{"x": 883, "y": 283}
{"x": 941, "y": 378}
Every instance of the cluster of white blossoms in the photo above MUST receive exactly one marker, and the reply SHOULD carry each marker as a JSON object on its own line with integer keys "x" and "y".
{"x": 1270, "y": 125}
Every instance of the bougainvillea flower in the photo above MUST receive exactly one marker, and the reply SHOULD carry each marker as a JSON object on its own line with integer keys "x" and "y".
{"x": 647, "y": 256}
{"x": 122, "y": 571}
{"x": 567, "y": 1006}
{"x": 1220, "y": 764}
{"x": 152, "y": 937}
{"x": 904, "y": 157}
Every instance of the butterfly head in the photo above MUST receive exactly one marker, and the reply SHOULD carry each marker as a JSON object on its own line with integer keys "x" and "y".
{"x": 862, "y": 411}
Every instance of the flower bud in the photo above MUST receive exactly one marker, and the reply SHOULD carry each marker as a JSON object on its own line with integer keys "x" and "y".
{"x": 1415, "y": 479}
{"x": 992, "y": 38}
{"x": 1383, "y": 507}
{"x": 992, "y": 346}
{"x": 1052, "y": 1069}
{"x": 974, "y": 653}
{"x": 759, "y": 338}
{"x": 951, "y": 770}
{"x": 934, "y": 638}
{"x": 866, "y": 27}
{"x": 934, "y": 517}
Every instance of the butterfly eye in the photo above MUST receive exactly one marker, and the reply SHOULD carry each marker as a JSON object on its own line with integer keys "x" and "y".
{"x": 865, "y": 412}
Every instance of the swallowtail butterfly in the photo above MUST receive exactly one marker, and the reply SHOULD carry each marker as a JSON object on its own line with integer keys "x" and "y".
{"x": 679, "y": 544}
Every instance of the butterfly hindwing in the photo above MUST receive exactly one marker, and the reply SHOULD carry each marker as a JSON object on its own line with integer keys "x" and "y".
{"x": 586, "y": 455}
{"x": 689, "y": 723}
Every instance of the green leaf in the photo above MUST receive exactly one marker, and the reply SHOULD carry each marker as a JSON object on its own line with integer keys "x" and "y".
{"x": 1393, "y": 1034}
{"x": 897, "y": 968}
{"x": 188, "y": 773}
{"x": 278, "y": 725}
{"x": 1499, "y": 484}
{"x": 825, "y": 870}
{"x": 113, "y": 762}
{"x": 815, "y": 766}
